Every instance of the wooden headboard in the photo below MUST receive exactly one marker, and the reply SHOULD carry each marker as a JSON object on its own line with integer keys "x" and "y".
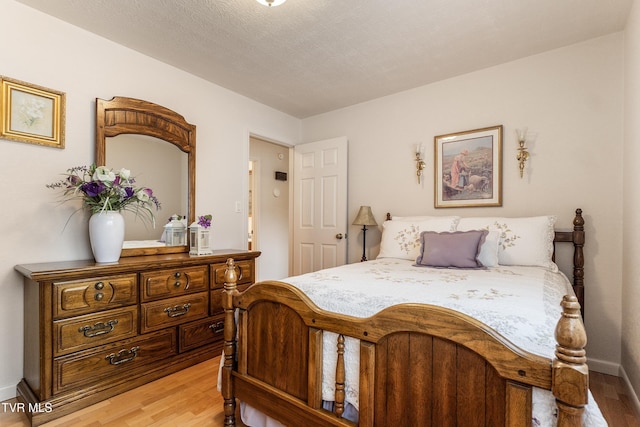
{"x": 576, "y": 236}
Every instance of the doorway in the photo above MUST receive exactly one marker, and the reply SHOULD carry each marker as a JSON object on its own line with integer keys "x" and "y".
{"x": 268, "y": 207}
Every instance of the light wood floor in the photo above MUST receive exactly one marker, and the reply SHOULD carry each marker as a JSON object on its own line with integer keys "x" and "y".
{"x": 190, "y": 398}
{"x": 186, "y": 398}
{"x": 614, "y": 400}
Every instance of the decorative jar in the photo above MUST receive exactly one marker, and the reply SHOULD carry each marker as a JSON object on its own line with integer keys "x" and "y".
{"x": 106, "y": 234}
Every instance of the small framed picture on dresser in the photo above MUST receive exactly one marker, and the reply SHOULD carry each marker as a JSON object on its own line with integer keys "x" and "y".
{"x": 468, "y": 168}
{"x": 31, "y": 113}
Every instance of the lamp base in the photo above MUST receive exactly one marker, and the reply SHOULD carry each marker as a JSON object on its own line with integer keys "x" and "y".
{"x": 364, "y": 243}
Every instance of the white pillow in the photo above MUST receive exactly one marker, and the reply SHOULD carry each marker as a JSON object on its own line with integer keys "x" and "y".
{"x": 424, "y": 218}
{"x": 523, "y": 241}
{"x": 401, "y": 239}
{"x": 488, "y": 254}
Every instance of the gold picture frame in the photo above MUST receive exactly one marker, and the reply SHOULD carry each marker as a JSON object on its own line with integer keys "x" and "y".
{"x": 473, "y": 159}
{"x": 31, "y": 113}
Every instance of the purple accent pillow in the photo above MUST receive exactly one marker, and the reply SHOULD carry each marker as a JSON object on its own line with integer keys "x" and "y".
{"x": 458, "y": 249}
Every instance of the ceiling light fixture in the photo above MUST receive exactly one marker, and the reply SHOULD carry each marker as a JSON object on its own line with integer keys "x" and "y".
{"x": 271, "y": 2}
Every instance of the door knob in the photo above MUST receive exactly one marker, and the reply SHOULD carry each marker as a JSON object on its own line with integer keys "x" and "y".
{"x": 339, "y": 236}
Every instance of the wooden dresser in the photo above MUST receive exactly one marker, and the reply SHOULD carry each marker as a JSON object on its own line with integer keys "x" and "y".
{"x": 93, "y": 331}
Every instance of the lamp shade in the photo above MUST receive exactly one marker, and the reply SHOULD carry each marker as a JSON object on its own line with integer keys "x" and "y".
{"x": 365, "y": 217}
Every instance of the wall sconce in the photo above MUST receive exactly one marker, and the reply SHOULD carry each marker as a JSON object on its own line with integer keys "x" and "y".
{"x": 523, "y": 154}
{"x": 364, "y": 218}
{"x": 420, "y": 164}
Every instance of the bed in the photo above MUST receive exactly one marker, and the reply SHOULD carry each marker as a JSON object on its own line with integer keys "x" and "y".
{"x": 391, "y": 342}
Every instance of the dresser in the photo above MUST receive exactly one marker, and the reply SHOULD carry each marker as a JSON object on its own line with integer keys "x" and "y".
{"x": 92, "y": 331}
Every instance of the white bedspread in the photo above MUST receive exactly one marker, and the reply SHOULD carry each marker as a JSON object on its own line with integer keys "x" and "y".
{"x": 521, "y": 303}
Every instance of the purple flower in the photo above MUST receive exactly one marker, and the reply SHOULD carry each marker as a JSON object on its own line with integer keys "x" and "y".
{"x": 92, "y": 188}
{"x": 128, "y": 192}
{"x": 73, "y": 181}
{"x": 204, "y": 221}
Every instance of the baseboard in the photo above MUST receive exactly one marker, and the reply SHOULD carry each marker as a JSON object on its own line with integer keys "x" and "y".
{"x": 633, "y": 396}
{"x": 618, "y": 371}
{"x": 604, "y": 367}
{"x": 7, "y": 393}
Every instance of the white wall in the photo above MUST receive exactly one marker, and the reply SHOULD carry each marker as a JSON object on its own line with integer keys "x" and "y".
{"x": 47, "y": 52}
{"x": 570, "y": 99}
{"x": 631, "y": 267}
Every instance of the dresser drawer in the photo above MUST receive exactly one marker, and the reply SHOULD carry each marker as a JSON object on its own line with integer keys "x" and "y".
{"x": 174, "y": 282}
{"x": 215, "y": 299}
{"x": 173, "y": 311}
{"x": 95, "y": 294}
{"x": 244, "y": 269}
{"x": 91, "y": 330}
{"x": 202, "y": 332}
{"x": 113, "y": 361}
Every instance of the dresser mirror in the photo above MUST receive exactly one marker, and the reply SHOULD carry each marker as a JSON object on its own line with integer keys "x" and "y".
{"x": 158, "y": 146}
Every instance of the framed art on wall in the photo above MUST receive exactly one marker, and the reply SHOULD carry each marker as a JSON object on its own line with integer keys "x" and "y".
{"x": 468, "y": 168}
{"x": 30, "y": 113}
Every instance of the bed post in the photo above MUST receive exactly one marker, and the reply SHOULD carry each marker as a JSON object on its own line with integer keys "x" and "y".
{"x": 570, "y": 377}
{"x": 340, "y": 378}
{"x": 578, "y": 257}
{"x": 230, "y": 280}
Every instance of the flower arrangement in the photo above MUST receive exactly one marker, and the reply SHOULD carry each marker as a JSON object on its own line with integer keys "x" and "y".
{"x": 102, "y": 189}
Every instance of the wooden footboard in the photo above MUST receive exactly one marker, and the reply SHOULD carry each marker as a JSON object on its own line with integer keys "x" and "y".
{"x": 419, "y": 364}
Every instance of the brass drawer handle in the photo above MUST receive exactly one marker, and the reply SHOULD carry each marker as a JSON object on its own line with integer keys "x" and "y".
{"x": 178, "y": 275}
{"x": 217, "y": 327}
{"x": 123, "y": 356}
{"x": 177, "y": 310}
{"x": 99, "y": 296}
{"x": 98, "y": 329}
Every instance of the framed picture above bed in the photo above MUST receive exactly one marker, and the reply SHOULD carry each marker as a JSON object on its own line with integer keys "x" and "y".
{"x": 468, "y": 168}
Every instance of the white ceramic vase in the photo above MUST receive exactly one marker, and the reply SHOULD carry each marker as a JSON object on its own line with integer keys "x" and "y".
{"x": 106, "y": 233}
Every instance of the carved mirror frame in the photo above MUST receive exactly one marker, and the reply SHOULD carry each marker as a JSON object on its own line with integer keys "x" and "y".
{"x": 121, "y": 115}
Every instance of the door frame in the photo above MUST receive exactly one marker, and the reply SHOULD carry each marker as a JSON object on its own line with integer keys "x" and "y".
{"x": 291, "y": 152}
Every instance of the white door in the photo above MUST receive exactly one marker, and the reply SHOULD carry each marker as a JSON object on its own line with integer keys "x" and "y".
{"x": 320, "y": 205}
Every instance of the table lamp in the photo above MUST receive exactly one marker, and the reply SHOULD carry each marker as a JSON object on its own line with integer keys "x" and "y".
{"x": 364, "y": 218}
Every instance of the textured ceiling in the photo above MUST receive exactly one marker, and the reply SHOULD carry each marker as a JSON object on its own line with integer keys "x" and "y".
{"x": 311, "y": 56}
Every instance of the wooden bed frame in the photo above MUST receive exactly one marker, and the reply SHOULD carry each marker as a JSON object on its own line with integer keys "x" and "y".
{"x": 419, "y": 364}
